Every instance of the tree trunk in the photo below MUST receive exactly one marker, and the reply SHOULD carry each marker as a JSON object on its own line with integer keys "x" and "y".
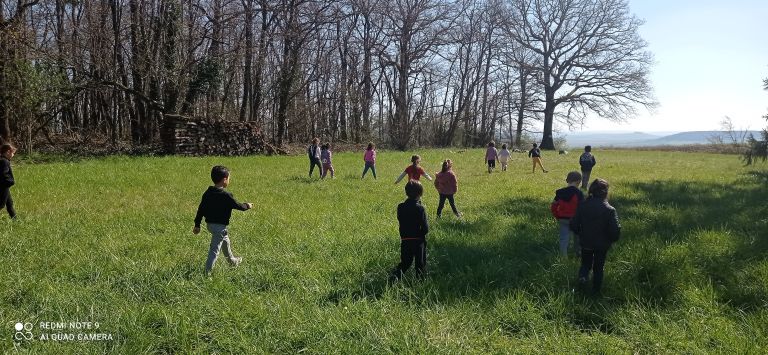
{"x": 245, "y": 105}
{"x": 521, "y": 107}
{"x": 549, "y": 115}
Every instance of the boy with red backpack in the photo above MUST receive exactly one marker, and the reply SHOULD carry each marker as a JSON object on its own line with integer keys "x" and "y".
{"x": 563, "y": 208}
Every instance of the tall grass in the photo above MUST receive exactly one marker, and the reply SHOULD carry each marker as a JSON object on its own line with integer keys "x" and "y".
{"x": 109, "y": 240}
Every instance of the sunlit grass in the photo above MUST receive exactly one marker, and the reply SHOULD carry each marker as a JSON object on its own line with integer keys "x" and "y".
{"x": 110, "y": 240}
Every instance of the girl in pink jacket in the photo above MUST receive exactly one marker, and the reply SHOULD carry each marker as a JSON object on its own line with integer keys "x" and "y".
{"x": 370, "y": 160}
{"x": 446, "y": 185}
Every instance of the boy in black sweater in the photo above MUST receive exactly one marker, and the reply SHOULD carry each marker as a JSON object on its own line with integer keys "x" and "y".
{"x": 413, "y": 231}
{"x": 6, "y": 179}
{"x": 597, "y": 225}
{"x": 216, "y": 206}
{"x": 587, "y": 162}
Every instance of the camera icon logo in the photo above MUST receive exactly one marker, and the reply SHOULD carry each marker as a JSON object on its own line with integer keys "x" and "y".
{"x": 23, "y": 331}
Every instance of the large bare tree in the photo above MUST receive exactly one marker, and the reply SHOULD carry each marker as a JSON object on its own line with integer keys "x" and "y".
{"x": 590, "y": 58}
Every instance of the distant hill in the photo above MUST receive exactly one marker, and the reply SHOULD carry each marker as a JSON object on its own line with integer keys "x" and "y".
{"x": 641, "y": 139}
{"x": 608, "y": 139}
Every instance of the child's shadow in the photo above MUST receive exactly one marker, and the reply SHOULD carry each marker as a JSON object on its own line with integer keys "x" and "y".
{"x": 304, "y": 179}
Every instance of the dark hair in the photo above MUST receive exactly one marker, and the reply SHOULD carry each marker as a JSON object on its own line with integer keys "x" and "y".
{"x": 218, "y": 173}
{"x": 535, "y": 145}
{"x": 504, "y": 146}
{"x": 573, "y": 176}
{"x": 6, "y": 148}
{"x": 326, "y": 146}
{"x": 413, "y": 189}
{"x": 599, "y": 189}
{"x": 587, "y": 148}
{"x": 447, "y": 164}
{"x": 491, "y": 144}
{"x": 370, "y": 146}
{"x": 415, "y": 158}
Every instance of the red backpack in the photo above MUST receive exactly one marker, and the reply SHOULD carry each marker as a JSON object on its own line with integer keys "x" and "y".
{"x": 565, "y": 209}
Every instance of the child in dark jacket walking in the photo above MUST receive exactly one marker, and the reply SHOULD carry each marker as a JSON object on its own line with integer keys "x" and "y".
{"x": 7, "y": 152}
{"x": 412, "y": 218}
{"x": 597, "y": 225}
{"x": 216, "y": 206}
{"x": 587, "y": 162}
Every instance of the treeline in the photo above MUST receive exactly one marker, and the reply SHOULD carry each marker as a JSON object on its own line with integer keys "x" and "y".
{"x": 405, "y": 72}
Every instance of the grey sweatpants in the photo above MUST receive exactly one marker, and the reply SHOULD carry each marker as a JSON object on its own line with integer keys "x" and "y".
{"x": 585, "y": 178}
{"x": 219, "y": 240}
{"x": 565, "y": 236}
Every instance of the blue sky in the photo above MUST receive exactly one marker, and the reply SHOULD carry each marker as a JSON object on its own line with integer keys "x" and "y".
{"x": 711, "y": 57}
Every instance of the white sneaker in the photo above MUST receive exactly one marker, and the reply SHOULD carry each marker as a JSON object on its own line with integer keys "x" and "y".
{"x": 236, "y": 261}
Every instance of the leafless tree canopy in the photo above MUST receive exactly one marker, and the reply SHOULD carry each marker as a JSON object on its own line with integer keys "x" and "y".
{"x": 403, "y": 72}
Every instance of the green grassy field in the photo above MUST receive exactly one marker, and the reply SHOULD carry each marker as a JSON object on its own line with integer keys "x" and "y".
{"x": 109, "y": 241}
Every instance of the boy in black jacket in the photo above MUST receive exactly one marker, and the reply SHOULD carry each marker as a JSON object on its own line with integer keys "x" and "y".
{"x": 597, "y": 225}
{"x": 6, "y": 179}
{"x": 587, "y": 162}
{"x": 413, "y": 231}
{"x": 216, "y": 206}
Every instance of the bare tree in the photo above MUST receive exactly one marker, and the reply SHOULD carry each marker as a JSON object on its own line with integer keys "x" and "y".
{"x": 416, "y": 28}
{"x": 590, "y": 58}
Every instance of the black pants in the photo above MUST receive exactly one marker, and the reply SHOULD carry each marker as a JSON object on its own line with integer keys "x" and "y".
{"x": 442, "y": 204}
{"x": 593, "y": 259}
{"x": 6, "y": 201}
{"x": 410, "y": 250}
{"x": 312, "y": 163}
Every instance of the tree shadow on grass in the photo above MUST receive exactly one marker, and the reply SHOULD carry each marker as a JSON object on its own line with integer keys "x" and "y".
{"x": 662, "y": 252}
{"x": 712, "y": 231}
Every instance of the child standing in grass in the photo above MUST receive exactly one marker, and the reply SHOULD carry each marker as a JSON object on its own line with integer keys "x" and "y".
{"x": 7, "y": 152}
{"x": 504, "y": 157}
{"x": 587, "y": 162}
{"x": 447, "y": 186}
{"x": 216, "y": 206}
{"x": 597, "y": 224}
{"x": 535, "y": 155}
{"x": 325, "y": 157}
{"x": 412, "y": 218}
{"x": 414, "y": 171}
{"x": 491, "y": 155}
{"x": 370, "y": 160}
{"x": 564, "y": 207}
{"x": 313, "y": 153}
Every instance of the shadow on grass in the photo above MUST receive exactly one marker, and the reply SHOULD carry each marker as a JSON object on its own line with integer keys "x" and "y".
{"x": 719, "y": 231}
{"x": 666, "y": 218}
{"x": 304, "y": 179}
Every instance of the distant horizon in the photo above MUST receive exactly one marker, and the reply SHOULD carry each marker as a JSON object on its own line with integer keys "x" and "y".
{"x": 709, "y": 65}
{"x": 624, "y": 131}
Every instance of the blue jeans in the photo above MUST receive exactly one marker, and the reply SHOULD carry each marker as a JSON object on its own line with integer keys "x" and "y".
{"x": 565, "y": 236}
{"x": 370, "y": 165}
{"x": 219, "y": 240}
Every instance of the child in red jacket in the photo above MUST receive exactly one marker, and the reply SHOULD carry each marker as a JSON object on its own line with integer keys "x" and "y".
{"x": 563, "y": 208}
{"x": 447, "y": 186}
